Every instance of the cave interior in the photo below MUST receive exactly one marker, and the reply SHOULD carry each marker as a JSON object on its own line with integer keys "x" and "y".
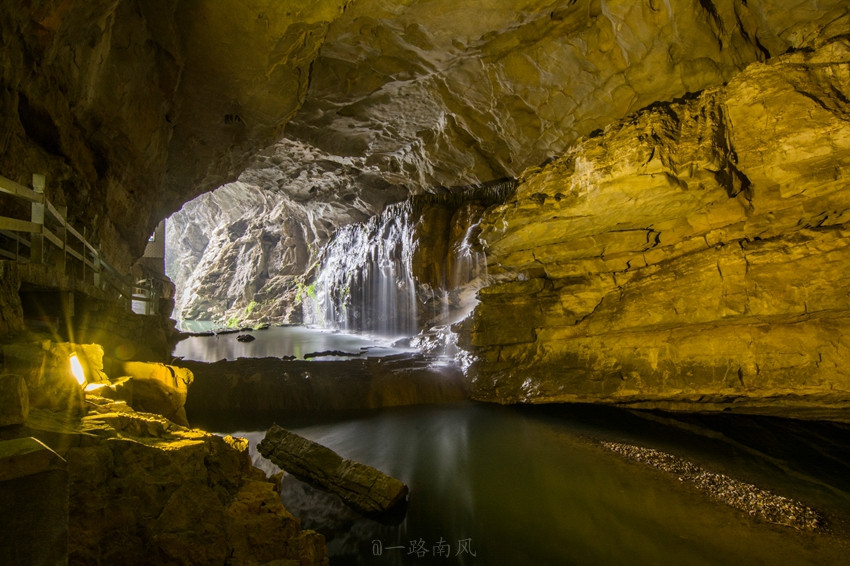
{"x": 631, "y": 216}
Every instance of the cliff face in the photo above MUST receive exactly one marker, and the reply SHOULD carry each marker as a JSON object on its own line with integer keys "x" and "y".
{"x": 695, "y": 251}
{"x": 239, "y": 252}
{"x": 133, "y": 108}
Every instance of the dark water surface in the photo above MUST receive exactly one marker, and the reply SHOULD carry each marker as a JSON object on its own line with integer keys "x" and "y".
{"x": 492, "y": 485}
{"x": 530, "y": 486}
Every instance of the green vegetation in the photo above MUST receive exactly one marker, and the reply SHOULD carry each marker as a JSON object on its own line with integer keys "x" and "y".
{"x": 305, "y": 290}
{"x": 252, "y": 306}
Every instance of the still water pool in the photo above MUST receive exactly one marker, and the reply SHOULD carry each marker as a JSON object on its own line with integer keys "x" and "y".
{"x": 282, "y": 341}
{"x": 494, "y": 485}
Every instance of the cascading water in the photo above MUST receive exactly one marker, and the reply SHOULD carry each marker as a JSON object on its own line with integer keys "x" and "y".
{"x": 365, "y": 282}
{"x": 416, "y": 264}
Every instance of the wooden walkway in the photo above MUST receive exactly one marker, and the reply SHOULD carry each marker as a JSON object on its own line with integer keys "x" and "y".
{"x": 47, "y": 239}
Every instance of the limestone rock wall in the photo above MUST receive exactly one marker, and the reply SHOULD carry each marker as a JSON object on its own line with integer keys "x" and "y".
{"x": 238, "y": 252}
{"x": 408, "y": 98}
{"x": 131, "y": 108}
{"x": 696, "y": 251}
{"x": 134, "y": 107}
{"x": 447, "y": 92}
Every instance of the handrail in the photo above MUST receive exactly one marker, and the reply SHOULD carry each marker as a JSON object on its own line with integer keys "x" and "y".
{"x": 40, "y": 233}
{"x": 10, "y": 187}
{"x": 58, "y": 216}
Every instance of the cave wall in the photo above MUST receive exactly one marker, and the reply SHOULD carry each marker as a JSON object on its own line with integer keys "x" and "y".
{"x": 694, "y": 252}
{"x": 132, "y": 107}
{"x": 641, "y": 262}
{"x": 406, "y": 98}
{"x": 447, "y": 93}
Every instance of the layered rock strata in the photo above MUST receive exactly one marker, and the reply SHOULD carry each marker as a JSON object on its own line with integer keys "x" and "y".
{"x": 410, "y": 98}
{"x": 131, "y": 109}
{"x": 694, "y": 253}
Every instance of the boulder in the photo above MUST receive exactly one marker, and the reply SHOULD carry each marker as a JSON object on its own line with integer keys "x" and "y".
{"x": 361, "y": 487}
{"x": 245, "y": 338}
{"x": 46, "y": 369}
{"x": 155, "y": 388}
{"x": 14, "y": 400}
{"x": 143, "y": 490}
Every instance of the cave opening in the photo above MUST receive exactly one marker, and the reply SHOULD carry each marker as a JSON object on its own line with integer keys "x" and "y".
{"x": 551, "y": 281}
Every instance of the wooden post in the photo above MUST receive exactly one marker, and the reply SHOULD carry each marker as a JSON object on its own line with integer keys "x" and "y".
{"x": 37, "y": 239}
{"x": 96, "y": 270}
{"x": 63, "y": 234}
{"x": 85, "y": 254}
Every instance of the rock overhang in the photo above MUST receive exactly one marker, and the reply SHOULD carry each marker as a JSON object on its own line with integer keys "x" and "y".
{"x": 156, "y": 103}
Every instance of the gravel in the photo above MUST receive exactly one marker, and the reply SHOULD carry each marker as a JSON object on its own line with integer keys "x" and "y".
{"x": 754, "y": 501}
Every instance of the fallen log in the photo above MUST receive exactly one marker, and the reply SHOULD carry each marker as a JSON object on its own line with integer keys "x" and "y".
{"x": 363, "y": 488}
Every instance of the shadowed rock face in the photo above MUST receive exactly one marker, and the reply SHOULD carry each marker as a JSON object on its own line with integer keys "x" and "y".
{"x": 133, "y": 107}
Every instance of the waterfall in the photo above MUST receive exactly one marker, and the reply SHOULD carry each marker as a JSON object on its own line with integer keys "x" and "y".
{"x": 365, "y": 282}
{"x": 416, "y": 264}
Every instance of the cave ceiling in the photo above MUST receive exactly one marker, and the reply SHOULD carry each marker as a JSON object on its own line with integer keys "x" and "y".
{"x": 441, "y": 93}
{"x": 135, "y": 107}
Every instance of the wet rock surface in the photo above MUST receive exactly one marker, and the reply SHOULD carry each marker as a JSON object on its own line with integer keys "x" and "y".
{"x": 142, "y": 486}
{"x": 258, "y": 389}
{"x": 143, "y": 489}
{"x": 363, "y": 488}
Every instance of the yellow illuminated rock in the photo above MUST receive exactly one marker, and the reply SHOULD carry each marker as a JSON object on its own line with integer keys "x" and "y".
{"x": 695, "y": 252}
{"x": 140, "y": 484}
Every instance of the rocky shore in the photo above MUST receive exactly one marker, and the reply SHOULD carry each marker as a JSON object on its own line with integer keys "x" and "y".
{"x": 752, "y": 500}
{"x": 139, "y": 488}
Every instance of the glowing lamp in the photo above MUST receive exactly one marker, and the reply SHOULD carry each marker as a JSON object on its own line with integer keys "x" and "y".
{"x": 77, "y": 369}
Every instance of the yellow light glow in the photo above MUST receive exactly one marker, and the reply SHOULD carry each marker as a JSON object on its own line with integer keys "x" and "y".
{"x": 77, "y": 369}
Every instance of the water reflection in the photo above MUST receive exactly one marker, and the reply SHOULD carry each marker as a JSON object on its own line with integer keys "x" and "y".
{"x": 278, "y": 342}
{"x": 520, "y": 487}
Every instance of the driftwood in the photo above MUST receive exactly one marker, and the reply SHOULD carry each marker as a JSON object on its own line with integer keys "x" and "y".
{"x": 361, "y": 487}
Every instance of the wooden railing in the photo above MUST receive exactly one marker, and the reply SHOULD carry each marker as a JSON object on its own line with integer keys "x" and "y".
{"x": 48, "y": 225}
